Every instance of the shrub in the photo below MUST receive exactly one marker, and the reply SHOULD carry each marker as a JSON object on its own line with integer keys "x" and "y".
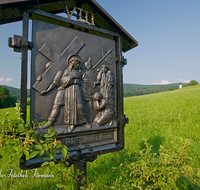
{"x": 6, "y": 100}
{"x": 167, "y": 170}
{"x": 192, "y": 83}
{"x": 172, "y": 89}
{"x": 24, "y": 143}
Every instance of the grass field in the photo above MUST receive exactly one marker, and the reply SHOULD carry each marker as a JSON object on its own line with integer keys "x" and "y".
{"x": 157, "y": 117}
{"x": 12, "y": 113}
{"x": 161, "y": 117}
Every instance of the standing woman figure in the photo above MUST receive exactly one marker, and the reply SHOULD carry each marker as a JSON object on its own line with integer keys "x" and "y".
{"x": 74, "y": 113}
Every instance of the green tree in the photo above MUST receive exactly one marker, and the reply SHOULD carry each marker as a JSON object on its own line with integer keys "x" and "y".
{"x": 192, "y": 83}
{"x": 6, "y": 100}
{"x": 172, "y": 89}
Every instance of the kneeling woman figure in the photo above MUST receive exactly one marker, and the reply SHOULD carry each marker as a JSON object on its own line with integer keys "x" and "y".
{"x": 105, "y": 115}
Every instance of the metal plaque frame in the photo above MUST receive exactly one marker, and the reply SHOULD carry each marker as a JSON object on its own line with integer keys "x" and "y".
{"x": 82, "y": 154}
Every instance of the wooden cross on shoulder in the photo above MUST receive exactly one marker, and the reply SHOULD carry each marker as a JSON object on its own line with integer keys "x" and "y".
{"x": 59, "y": 60}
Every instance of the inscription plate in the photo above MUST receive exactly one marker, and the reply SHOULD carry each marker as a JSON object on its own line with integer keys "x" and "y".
{"x": 89, "y": 141}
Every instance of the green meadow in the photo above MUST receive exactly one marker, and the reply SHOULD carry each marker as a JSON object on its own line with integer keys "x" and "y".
{"x": 12, "y": 113}
{"x": 159, "y": 118}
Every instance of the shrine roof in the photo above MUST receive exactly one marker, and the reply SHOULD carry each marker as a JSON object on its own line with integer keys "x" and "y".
{"x": 12, "y": 10}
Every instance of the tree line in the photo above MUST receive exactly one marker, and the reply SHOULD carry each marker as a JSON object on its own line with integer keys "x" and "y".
{"x": 138, "y": 90}
{"x": 9, "y": 95}
{"x": 6, "y": 100}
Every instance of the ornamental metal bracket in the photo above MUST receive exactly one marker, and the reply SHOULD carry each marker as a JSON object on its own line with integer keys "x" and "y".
{"x": 125, "y": 120}
{"x": 123, "y": 61}
{"x": 16, "y": 43}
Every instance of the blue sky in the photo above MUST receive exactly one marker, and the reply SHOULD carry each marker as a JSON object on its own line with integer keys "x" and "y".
{"x": 168, "y": 33}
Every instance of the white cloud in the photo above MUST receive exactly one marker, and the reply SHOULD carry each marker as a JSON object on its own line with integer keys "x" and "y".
{"x": 186, "y": 81}
{"x": 7, "y": 80}
{"x": 162, "y": 82}
{"x": 1, "y": 79}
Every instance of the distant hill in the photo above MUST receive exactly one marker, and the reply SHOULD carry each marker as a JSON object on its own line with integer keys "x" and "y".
{"x": 15, "y": 92}
{"x": 129, "y": 89}
{"x": 138, "y": 89}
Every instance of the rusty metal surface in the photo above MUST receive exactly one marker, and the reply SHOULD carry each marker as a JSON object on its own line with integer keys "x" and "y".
{"x": 13, "y": 11}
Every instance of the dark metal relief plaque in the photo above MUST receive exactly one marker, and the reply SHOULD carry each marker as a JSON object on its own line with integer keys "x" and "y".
{"x": 73, "y": 85}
